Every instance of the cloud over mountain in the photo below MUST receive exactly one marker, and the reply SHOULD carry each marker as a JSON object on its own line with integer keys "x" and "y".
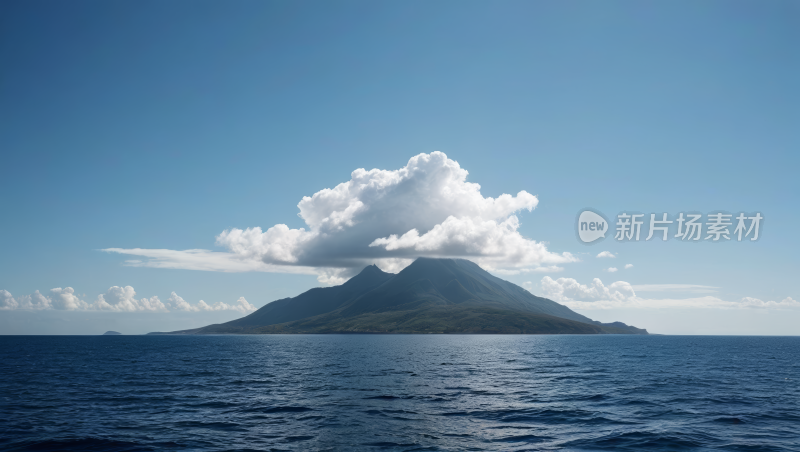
{"x": 386, "y": 217}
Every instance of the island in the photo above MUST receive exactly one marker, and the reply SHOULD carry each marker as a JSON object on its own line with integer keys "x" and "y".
{"x": 111, "y": 333}
{"x": 430, "y": 296}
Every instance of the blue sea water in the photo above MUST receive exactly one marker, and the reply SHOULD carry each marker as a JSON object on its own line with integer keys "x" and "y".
{"x": 399, "y": 392}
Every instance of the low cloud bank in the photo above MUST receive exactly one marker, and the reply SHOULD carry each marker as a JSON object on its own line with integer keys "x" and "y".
{"x": 179, "y": 304}
{"x": 116, "y": 299}
{"x": 621, "y": 294}
{"x": 568, "y": 289}
{"x": 382, "y": 217}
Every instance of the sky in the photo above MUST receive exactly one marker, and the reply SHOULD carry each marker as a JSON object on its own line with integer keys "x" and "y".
{"x": 167, "y": 165}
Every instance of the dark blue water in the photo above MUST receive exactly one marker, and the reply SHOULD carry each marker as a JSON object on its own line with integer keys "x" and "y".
{"x": 385, "y": 392}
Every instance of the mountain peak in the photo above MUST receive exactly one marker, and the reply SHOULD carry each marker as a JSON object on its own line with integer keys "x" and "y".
{"x": 451, "y": 262}
{"x": 431, "y": 262}
{"x": 370, "y": 272}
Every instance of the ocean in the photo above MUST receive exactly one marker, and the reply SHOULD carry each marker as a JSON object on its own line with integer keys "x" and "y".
{"x": 399, "y": 393}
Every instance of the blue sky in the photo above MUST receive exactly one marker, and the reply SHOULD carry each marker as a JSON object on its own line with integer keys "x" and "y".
{"x": 159, "y": 125}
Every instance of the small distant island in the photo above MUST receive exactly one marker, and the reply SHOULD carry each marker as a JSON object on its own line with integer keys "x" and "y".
{"x": 111, "y": 333}
{"x": 430, "y": 296}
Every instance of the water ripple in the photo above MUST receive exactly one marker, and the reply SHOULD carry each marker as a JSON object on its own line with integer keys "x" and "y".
{"x": 399, "y": 393}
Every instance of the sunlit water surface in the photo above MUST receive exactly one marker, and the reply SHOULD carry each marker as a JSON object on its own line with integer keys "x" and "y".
{"x": 397, "y": 392}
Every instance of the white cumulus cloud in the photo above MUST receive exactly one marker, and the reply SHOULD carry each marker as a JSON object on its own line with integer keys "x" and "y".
{"x": 66, "y": 299}
{"x": 621, "y": 294}
{"x": 116, "y": 299}
{"x": 705, "y": 302}
{"x": 611, "y": 269}
{"x": 568, "y": 289}
{"x": 606, "y": 254}
{"x": 786, "y": 303}
{"x": 63, "y": 299}
{"x": 7, "y": 301}
{"x": 35, "y": 301}
{"x": 385, "y": 217}
{"x": 122, "y": 299}
{"x": 696, "y": 288}
{"x": 177, "y": 303}
{"x": 627, "y": 266}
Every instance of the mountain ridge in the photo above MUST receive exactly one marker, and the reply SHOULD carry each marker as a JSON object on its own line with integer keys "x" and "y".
{"x": 428, "y": 296}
